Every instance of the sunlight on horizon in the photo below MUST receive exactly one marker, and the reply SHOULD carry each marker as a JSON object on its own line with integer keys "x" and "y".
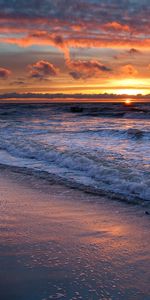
{"x": 130, "y": 92}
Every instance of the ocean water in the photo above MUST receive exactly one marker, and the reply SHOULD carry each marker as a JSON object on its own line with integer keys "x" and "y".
{"x": 103, "y": 148}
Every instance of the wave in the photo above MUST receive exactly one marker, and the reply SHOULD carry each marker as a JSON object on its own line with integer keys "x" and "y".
{"x": 100, "y": 155}
{"x": 85, "y": 171}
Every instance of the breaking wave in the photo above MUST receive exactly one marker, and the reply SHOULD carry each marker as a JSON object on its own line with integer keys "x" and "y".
{"x": 98, "y": 154}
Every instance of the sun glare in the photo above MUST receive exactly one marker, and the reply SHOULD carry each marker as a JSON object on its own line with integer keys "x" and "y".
{"x": 131, "y": 92}
{"x": 130, "y": 86}
{"x": 128, "y": 101}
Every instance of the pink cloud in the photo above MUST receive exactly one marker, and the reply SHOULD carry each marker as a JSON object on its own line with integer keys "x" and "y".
{"x": 42, "y": 70}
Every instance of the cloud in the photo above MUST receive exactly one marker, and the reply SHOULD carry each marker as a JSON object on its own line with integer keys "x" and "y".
{"x": 133, "y": 51}
{"x": 76, "y": 75}
{"x": 125, "y": 54}
{"x": 75, "y": 23}
{"x": 87, "y": 68}
{"x": 116, "y": 26}
{"x": 18, "y": 82}
{"x": 129, "y": 70}
{"x": 4, "y": 73}
{"x": 42, "y": 70}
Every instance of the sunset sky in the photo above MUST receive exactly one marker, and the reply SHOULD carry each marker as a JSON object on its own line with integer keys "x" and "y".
{"x": 75, "y": 46}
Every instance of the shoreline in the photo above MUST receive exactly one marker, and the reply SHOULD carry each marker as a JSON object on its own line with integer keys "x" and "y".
{"x": 55, "y": 179}
{"x": 61, "y": 243}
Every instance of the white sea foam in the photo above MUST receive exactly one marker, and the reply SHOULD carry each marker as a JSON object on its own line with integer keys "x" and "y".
{"x": 110, "y": 155}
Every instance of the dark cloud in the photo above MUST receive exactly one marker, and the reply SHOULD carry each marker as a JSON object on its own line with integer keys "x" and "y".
{"x": 76, "y": 8}
{"x": 42, "y": 70}
{"x": 125, "y": 54}
{"x": 133, "y": 51}
{"x": 76, "y": 75}
{"x": 4, "y": 73}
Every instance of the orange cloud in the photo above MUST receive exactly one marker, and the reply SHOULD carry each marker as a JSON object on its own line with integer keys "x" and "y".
{"x": 117, "y": 26}
{"x": 129, "y": 70}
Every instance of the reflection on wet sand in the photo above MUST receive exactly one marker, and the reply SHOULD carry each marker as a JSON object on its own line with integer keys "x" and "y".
{"x": 57, "y": 243}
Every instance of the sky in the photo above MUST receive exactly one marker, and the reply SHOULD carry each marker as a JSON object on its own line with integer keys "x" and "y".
{"x": 75, "y": 46}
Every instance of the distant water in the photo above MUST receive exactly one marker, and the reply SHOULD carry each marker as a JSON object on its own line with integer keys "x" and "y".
{"x": 104, "y": 148}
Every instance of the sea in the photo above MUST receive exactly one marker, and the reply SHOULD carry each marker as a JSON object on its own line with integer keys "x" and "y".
{"x": 103, "y": 148}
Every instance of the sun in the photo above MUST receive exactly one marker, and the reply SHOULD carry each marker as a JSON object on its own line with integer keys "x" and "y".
{"x": 128, "y": 101}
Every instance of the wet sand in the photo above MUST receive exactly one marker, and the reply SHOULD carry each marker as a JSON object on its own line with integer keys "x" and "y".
{"x": 59, "y": 243}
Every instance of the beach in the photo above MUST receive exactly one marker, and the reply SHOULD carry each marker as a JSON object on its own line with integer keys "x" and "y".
{"x": 61, "y": 243}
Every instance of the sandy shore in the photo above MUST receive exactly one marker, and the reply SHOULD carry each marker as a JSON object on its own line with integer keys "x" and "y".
{"x": 59, "y": 243}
